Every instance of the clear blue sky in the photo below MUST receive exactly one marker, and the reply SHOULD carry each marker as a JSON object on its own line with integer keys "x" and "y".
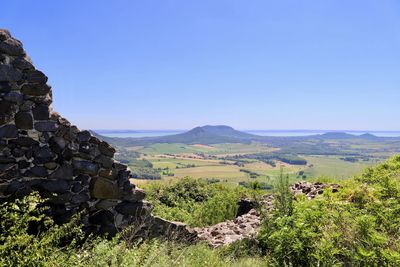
{"x": 259, "y": 64}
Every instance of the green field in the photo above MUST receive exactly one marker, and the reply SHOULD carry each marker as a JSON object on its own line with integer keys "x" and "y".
{"x": 176, "y": 157}
{"x": 231, "y": 163}
{"x": 334, "y": 167}
{"x": 156, "y": 149}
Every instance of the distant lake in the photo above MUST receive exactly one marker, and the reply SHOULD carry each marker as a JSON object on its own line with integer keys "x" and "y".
{"x": 153, "y": 133}
{"x": 314, "y": 132}
{"x": 137, "y": 133}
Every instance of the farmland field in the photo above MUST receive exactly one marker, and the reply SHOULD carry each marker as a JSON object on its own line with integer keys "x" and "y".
{"x": 336, "y": 156}
{"x": 334, "y": 167}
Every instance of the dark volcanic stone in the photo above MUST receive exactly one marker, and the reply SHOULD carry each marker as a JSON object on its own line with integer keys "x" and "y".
{"x": 119, "y": 167}
{"x": 3, "y": 189}
{"x": 109, "y": 230}
{"x": 135, "y": 195}
{"x": 9, "y": 174}
{"x": 36, "y": 77}
{"x": 14, "y": 97}
{"x": 43, "y": 152}
{"x": 35, "y": 89}
{"x": 41, "y": 100}
{"x": 6, "y": 166}
{"x": 51, "y": 165}
{"x": 23, "y": 164}
{"x": 67, "y": 154}
{"x": 85, "y": 167}
{"x": 88, "y": 150}
{"x": 71, "y": 133}
{"x": 24, "y": 141}
{"x": 11, "y": 47}
{"x": 9, "y": 74}
{"x": 5, "y": 87}
{"x": 106, "y": 149}
{"x": 23, "y": 63}
{"x": 76, "y": 187}
{"x": 63, "y": 172}
{"x": 24, "y": 120}
{"x": 41, "y": 112}
{"x": 8, "y": 131}
{"x": 104, "y": 189}
{"x": 38, "y": 171}
{"x": 84, "y": 136}
{"x": 80, "y": 198}
{"x": 57, "y": 144}
{"x": 123, "y": 175}
{"x": 133, "y": 208}
{"x": 83, "y": 179}
{"x": 4, "y": 35}
{"x": 106, "y": 162}
{"x": 105, "y": 204}
{"x": 102, "y": 217}
{"x": 94, "y": 140}
{"x": 46, "y": 126}
{"x": 245, "y": 205}
{"x": 108, "y": 173}
{"x": 17, "y": 152}
{"x": 14, "y": 186}
{"x": 55, "y": 186}
{"x": 26, "y": 106}
{"x": 7, "y": 111}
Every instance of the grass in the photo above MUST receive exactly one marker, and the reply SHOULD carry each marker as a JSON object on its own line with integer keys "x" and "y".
{"x": 176, "y": 148}
{"x": 226, "y": 173}
{"x": 219, "y": 171}
{"x": 334, "y": 167}
{"x": 172, "y": 163}
{"x": 235, "y": 149}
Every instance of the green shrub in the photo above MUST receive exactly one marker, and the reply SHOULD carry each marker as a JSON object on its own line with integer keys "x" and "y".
{"x": 29, "y": 237}
{"x": 194, "y": 201}
{"x": 359, "y": 226}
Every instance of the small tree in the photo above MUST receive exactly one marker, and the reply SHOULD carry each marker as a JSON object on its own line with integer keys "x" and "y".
{"x": 283, "y": 196}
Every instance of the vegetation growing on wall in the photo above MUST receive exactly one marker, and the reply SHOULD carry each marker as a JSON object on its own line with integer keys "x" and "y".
{"x": 358, "y": 226}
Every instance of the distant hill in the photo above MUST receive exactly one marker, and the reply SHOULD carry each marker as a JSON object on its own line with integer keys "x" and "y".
{"x": 337, "y": 135}
{"x": 200, "y": 135}
{"x": 218, "y": 134}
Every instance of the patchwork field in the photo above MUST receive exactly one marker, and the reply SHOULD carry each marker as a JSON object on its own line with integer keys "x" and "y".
{"x": 233, "y": 163}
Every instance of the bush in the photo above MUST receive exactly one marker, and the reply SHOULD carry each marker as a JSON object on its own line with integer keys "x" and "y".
{"x": 30, "y": 238}
{"x": 195, "y": 202}
{"x": 145, "y": 173}
{"x": 359, "y": 226}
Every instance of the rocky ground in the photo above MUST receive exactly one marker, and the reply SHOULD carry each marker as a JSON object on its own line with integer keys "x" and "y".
{"x": 311, "y": 190}
{"x": 246, "y": 225}
{"x": 224, "y": 233}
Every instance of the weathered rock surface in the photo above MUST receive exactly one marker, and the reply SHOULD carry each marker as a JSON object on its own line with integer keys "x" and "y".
{"x": 40, "y": 150}
{"x": 311, "y": 190}
{"x": 242, "y": 227}
{"x": 247, "y": 222}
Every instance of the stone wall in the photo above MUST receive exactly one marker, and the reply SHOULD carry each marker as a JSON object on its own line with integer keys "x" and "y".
{"x": 42, "y": 151}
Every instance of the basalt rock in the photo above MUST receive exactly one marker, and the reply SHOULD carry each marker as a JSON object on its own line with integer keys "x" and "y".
{"x": 40, "y": 150}
{"x": 311, "y": 190}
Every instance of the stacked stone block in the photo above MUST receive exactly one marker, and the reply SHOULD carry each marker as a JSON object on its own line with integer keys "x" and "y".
{"x": 41, "y": 151}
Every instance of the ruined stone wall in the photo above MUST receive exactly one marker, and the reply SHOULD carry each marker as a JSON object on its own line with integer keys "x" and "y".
{"x": 40, "y": 150}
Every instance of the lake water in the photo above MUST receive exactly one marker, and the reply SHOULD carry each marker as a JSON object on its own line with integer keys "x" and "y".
{"x": 153, "y": 133}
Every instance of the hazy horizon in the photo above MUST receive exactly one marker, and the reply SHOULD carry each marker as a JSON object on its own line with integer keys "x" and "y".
{"x": 293, "y": 132}
{"x": 255, "y": 129}
{"x": 260, "y": 64}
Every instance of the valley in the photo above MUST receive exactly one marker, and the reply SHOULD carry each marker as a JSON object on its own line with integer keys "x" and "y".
{"x": 220, "y": 154}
